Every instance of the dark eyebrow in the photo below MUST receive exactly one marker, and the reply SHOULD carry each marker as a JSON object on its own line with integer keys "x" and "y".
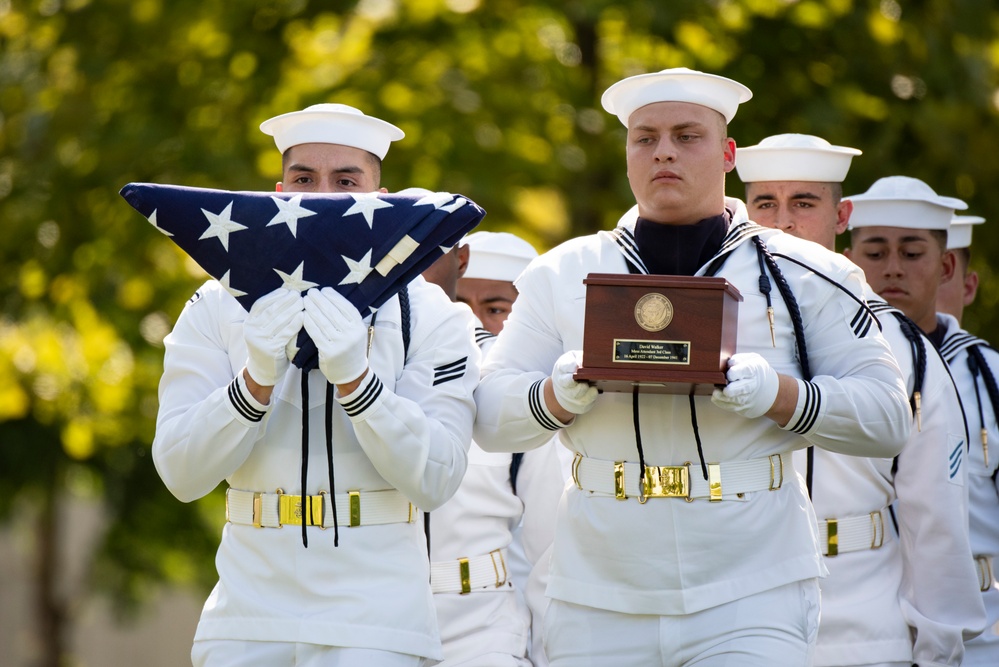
{"x": 686, "y": 126}
{"x": 674, "y": 128}
{"x": 494, "y": 299}
{"x": 312, "y": 170}
{"x": 904, "y": 239}
{"x": 766, "y": 196}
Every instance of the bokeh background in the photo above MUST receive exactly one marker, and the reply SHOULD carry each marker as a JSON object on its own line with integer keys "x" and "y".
{"x": 499, "y": 99}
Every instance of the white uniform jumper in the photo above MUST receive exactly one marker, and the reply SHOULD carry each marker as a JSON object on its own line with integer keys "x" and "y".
{"x": 669, "y": 556}
{"x": 482, "y": 619}
{"x": 884, "y": 586}
{"x": 408, "y": 432}
{"x": 983, "y": 463}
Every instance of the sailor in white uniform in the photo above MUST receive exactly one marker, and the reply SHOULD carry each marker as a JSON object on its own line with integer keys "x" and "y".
{"x": 975, "y": 366}
{"x": 538, "y": 476}
{"x": 721, "y": 567}
{"x": 400, "y": 419}
{"x": 887, "y": 527}
{"x": 483, "y": 617}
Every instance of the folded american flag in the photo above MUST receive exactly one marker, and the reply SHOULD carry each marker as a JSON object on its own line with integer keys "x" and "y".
{"x": 366, "y": 246}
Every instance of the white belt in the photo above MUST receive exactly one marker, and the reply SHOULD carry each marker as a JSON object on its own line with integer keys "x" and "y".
{"x": 855, "y": 533}
{"x": 354, "y": 508}
{"x": 465, "y": 575}
{"x": 622, "y": 480}
{"x": 983, "y": 565}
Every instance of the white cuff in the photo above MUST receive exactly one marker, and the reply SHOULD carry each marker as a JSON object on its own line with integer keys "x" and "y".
{"x": 246, "y": 409}
{"x": 806, "y": 412}
{"x": 539, "y": 409}
{"x": 363, "y": 400}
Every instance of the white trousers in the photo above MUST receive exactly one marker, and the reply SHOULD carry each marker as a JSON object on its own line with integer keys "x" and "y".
{"x": 231, "y": 653}
{"x": 487, "y": 628}
{"x": 983, "y": 650}
{"x": 776, "y": 628}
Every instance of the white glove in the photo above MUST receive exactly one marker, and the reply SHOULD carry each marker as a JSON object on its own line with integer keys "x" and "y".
{"x": 752, "y": 386}
{"x": 339, "y": 333}
{"x": 273, "y": 322}
{"x": 576, "y": 397}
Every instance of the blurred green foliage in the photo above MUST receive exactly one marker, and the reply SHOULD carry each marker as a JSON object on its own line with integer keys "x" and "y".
{"x": 499, "y": 101}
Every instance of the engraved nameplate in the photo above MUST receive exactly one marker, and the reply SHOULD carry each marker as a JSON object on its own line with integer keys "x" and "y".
{"x": 652, "y": 351}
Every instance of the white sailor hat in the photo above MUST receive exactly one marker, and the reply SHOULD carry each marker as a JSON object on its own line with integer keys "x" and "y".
{"x": 497, "y": 256}
{"x": 332, "y": 124}
{"x": 794, "y": 157}
{"x": 959, "y": 234}
{"x": 901, "y": 201}
{"x": 678, "y": 84}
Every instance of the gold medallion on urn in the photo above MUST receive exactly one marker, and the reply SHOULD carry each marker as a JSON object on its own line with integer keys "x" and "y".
{"x": 653, "y": 312}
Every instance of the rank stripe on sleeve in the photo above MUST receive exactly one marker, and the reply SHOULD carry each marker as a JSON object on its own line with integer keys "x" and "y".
{"x": 450, "y": 371}
{"x": 955, "y": 459}
{"x": 862, "y": 322}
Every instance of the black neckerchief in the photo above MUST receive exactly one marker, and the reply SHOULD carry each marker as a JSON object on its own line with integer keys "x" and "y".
{"x": 679, "y": 250}
{"x": 938, "y": 335}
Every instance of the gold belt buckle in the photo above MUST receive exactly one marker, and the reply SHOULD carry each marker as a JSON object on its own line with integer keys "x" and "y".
{"x": 355, "y": 508}
{"x": 666, "y": 482}
{"x": 290, "y": 510}
{"x": 466, "y": 577}
{"x": 714, "y": 483}
{"x": 619, "y": 491}
{"x": 258, "y": 509}
{"x": 832, "y": 537}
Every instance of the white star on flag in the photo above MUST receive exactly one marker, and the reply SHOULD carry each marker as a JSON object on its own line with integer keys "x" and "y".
{"x": 224, "y": 281}
{"x": 366, "y": 203}
{"x": 289, "y": 211}
{"x": 152, "y": 221}
{"x": 435, "y": 199}
{"x": 220, "y": 225}
{"x": 294, "y": 281}
{"x": 458, "y": 203}
{"x": 358, "y": 270}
